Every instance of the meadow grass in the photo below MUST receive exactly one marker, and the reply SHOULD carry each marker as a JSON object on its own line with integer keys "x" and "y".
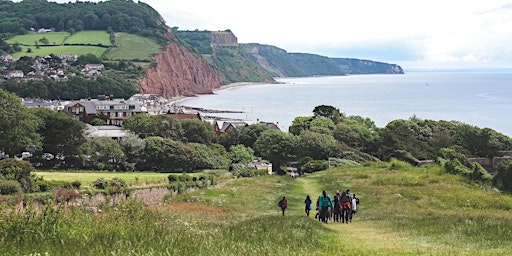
{"x": 87, "y": 178}
{"x": 55, "y": 38}
{"x": 94, "y": 37}
{"x": 133, "y": 47}
{"x": 410, "y": 211}
{"x": 128, "y": 46}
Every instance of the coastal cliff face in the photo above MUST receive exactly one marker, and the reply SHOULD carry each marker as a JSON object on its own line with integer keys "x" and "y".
{"x": 223, "y": 38}
{"x": 179, "y": 72}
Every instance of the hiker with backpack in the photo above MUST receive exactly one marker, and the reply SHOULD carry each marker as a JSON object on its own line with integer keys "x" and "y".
{"x": 346, "y": 207}
{"x": 336, "y": 208}
{"x": 308, "y": 204}
{"x": 283, "y": 203}
{"x": 324, "y": 205}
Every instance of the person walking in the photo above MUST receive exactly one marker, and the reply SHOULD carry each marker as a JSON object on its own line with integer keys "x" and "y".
{"x": 346, "y": 206}
{"x": 308, "y": 205}
{"x": 283, "y": 204}
{"x": 354, "y": 207}
{"x": 324, "y": 204}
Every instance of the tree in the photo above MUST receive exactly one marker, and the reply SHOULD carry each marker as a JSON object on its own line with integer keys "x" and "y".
{"x": 20, "y": 171}
{"x": 329, "y": 112}
{"x": 213, "y": 156}
{"x": 250, "y": 134}
{"x": 62, "y": 135}
{"x": 167, "y": 155}
{"x": 241, "y": 154}
{"x": 106, "y": 154}
{"x": 322, "y": 125}
{"x": 300, "y": 123}
{"x": 143, "y": 125}
{"x": 133, "y": 147}
{"x": 197, "y": 131}
{"x": 402, "y": 135}
{"x": 18, "y": 126}
{"x": 318, "y": 146}
{"x": 278, "y": 147}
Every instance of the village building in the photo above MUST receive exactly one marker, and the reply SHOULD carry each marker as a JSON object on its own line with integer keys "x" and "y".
{"x": 115, "y": 111}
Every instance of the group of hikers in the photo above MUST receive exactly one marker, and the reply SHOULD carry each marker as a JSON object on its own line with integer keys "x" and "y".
{"x": 341, "y": 208}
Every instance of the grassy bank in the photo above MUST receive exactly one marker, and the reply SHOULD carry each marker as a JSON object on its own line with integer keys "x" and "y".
{"x": 403, "y": 211}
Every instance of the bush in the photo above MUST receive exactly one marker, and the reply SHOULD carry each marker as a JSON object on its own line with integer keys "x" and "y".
{"x": 49, "y": 185}
{"x": 242, "y": 170}
{"x": 100, "y": 183}
{"x": 76, "y": 184}
{"x": 314, "y": 166}
{"x": 65, "y": 194}
{"x": 18, "y": 170}
{"x": 10, "y": 187}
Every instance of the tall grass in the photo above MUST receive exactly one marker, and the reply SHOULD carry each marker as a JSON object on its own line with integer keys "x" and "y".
{"x": 405, "y": 211}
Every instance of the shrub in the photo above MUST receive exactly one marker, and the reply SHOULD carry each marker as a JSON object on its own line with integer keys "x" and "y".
{"x": 49, "y": 185}
{"x": 395, "y": 164}
{"x": 12, "y": 169}
{"x": 76, "y": 184}
{"x": 172, "y": 178}
{"x": 65, "y": 194}
{"x": 10, "y": 187}
{"x": 100, "y": 183}
{"x": 242, "y": 170}
{"x": 315, "y": 166}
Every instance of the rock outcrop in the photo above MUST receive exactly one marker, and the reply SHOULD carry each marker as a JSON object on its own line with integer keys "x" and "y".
{"x": 223, "y": 38}
{"x": 178, "y": 72}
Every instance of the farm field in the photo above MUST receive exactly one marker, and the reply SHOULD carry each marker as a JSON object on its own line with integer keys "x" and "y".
{"x": 134, "y": 46}
{"x": 93, "y": 37}
{"x": 404, "y": 210}
{"x": 54, "y": 38}
{"x": 128, "y": 46}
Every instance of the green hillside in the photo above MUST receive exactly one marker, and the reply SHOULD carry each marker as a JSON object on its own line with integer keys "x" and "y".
{"x": 133, "y": 47}
{"x": 54, "y": 38}
{"x": 403, "y": 210}
{"x": 96, "y": 42}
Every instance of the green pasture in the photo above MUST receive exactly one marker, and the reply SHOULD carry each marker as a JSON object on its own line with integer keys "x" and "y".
{"x": 133, "y": 47}
{"x": 90, "y": 177}
{"x": 55, "y": 38}
{"x": 61, "y": 49}
{"x": 128, "y": 46}
{"x": 93, "y": 37}
{"x": 404, "y": 210}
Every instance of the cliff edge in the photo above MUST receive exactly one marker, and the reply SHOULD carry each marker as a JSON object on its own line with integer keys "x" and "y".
{"x": 178, "y": 72}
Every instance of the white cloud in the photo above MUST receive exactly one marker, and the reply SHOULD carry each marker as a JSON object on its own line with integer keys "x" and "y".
{"x": 423, "y": 33}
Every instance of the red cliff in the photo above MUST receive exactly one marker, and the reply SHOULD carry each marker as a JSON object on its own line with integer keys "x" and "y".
{"x": 179, "y": 72}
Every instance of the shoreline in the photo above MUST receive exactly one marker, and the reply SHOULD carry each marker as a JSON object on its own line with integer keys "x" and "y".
{"x": 222, "y": 87}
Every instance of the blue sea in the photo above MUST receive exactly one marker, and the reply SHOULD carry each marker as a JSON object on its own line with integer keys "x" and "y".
{"x": 475, "y": 98}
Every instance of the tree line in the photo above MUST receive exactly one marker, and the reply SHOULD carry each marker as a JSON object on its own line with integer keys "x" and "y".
{"x": 17, "y": 18}
{"x": 163, "y": 144}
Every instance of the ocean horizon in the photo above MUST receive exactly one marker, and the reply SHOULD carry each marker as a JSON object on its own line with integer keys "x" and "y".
{"x": 482, "y": 99}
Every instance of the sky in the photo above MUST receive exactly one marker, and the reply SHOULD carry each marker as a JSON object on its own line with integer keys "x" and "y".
{"x": 421, "y": 34}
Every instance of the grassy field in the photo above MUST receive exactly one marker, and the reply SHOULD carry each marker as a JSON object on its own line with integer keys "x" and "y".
{"x": 87, "y": 178}
{"x": 55, "y": 38}
{"x": 130, "y": 46}
{"x": 404, "y": 210}
{"x": 96, "y": 37}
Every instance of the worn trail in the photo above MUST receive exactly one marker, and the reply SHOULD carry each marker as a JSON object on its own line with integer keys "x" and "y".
{"x": 359, "y": 231}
